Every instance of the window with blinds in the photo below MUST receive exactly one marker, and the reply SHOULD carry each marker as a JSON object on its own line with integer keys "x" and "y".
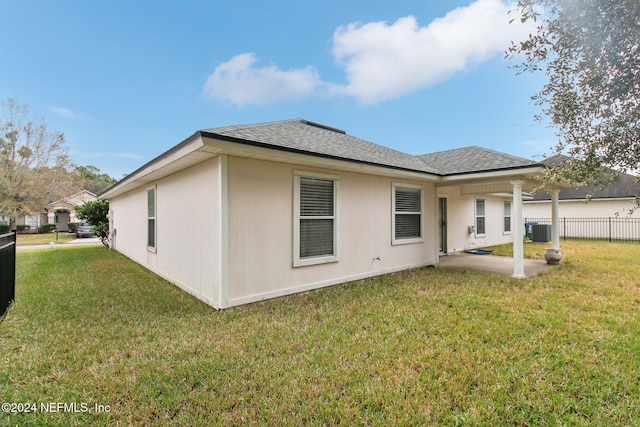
{"x": 407, "y": 214}
{"x": 480, "y": 217}
{"x": 315, "y": 227}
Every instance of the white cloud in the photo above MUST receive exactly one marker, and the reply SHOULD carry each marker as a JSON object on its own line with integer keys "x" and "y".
{"x": 240, "y": 82}
{"x": 68, "y": 114}
{"x": 381, "y": 61}
{"x": 386, "y": 61}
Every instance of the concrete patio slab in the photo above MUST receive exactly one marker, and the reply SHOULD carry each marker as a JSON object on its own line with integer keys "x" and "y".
{"x": 500, "y": 265}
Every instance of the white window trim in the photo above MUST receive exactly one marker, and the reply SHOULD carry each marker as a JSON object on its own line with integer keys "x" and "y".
{"x": 505, "y": 232}
{"x": 154, "y": 217}
{"x": 475, "y": 209}
{"x": 301, "y": 262}
{"x": 420, "y": 239}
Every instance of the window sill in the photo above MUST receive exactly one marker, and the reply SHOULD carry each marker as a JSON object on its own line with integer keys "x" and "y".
{"x": 407, "y": 241}
{"x": 302, "y": 262}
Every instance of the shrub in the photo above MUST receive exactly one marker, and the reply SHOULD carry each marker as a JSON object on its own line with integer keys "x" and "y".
{"x": 23, "y": 228}
{"x": 47, "y": 228}
{"x": 96, "y": 213}
{"x": 4, "y": 228}
{"x": 73, "y": 226}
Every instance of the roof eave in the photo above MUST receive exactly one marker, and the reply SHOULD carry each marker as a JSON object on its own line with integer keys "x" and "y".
{"x": 534, "y": 172}
{"x": 158, "y": 167}
{"x": 225, "y": 144}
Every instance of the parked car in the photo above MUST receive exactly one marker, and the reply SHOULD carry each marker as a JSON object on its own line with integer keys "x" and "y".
{"x": 84, "y": 230}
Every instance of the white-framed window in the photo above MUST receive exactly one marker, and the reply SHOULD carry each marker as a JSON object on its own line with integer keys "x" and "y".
{"x": 506, "y": 217}
{"x": 315, "y": 229}
{"x": 151, "y": 219}
{"x": 480, "y": 218}
{"x": 407, "y": 224}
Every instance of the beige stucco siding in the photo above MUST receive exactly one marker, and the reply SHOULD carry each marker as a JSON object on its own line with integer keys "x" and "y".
{"x": 261, "y": 221}
{"x": 461, "y": 214}
{"x": 128, "y": 224}
{"x": 187, "y": 223}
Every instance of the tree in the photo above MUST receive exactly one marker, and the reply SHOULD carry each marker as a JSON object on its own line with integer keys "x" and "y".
{"x": 94, "y": 181}
{"x": 33, "y": 163}
{"x": 96, "y": 212}
{"x": 590, "y": 53}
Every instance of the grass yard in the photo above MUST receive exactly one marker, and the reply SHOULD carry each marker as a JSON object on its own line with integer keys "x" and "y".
{"x": 43, "y": 239}
{"x": 424, "y": 347}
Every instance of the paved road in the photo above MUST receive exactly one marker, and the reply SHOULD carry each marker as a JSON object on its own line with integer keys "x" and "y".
{"x": 89, "y": 241}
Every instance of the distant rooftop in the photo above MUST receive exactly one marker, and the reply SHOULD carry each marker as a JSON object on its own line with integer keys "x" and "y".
{"x": 626, "y": 186}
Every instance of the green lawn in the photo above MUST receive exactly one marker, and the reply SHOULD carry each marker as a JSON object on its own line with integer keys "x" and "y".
{"x": 44, "y": 239}
{"x": 423, "y": 347}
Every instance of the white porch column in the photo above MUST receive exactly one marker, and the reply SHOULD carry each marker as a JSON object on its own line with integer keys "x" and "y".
{"x": 555, "y": 219}
{"x": 518, "y": 232}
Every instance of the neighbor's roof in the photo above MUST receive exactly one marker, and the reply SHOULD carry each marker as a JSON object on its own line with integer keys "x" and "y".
{"x": 303, "y": 136}
{"x": 626, "y": 186}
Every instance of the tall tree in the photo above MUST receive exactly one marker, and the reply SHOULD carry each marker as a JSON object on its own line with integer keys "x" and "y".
{"x": 94, "y": 181}
{"x": 590, "y": 53}
{"x": 34, "y": 165}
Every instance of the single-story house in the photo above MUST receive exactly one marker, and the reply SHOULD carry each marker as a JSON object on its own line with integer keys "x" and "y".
{"x": 244, "y": 213}
{"x": 60, "y": 212}
{"x": 616, "y": 199}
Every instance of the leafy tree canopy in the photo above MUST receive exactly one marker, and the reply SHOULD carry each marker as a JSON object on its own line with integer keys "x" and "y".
{"x": 93, "y": 180}
{"x": 34, "y": 165}
{"x": 590, "y": 52}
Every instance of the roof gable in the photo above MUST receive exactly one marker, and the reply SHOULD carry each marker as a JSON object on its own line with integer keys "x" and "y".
{"x": 75, "y": 199}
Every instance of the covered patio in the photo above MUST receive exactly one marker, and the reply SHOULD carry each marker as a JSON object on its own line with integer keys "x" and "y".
{"x": 511, "y": 185}
{"x": 500, "y": 265}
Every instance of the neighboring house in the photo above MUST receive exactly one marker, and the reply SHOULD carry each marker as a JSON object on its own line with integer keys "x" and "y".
{"x": 614, "y": 200}
{"x": 244, "y": 213}
{"x": 60, "y": 212}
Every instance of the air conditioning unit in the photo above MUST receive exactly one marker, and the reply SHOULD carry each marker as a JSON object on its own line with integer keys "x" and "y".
{"x": 540, "y": 233}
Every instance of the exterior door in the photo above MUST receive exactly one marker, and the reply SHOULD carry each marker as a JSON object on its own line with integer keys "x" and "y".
{"x": 442, "y": 225}
{"x": 62, "y": 220}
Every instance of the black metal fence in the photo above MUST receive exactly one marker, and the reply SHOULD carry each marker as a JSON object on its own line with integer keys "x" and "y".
{"x": 604, "y": 229}
{"x": 7, "y": 271}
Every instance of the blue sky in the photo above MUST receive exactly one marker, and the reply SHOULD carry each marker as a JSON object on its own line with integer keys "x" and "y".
{"x": 125, "y": 81}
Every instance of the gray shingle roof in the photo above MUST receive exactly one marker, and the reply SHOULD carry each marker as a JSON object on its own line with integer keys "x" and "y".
{"x": 626, "y": 186}
{"x": 303, "y": 136}
{"x": 473, "y": 159}
{"x": 308, "y": 137}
